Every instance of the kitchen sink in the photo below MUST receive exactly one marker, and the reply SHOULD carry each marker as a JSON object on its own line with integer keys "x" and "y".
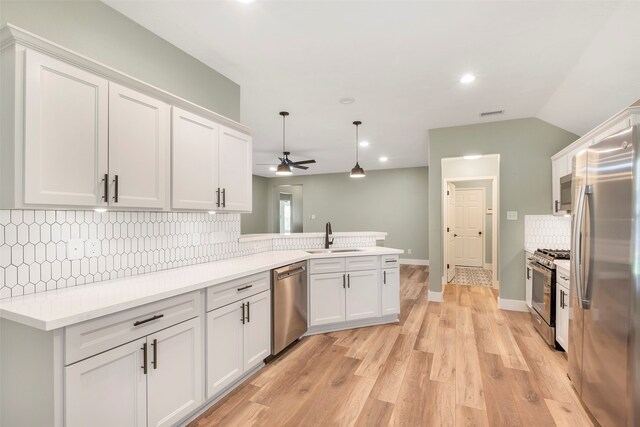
{"x": 332, "y": 251}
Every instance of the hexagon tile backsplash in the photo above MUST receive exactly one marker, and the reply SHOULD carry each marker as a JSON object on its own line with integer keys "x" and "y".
{"x": 33, "y": 245}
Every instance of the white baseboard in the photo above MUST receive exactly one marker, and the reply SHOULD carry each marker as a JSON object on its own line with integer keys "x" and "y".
{"x": 435, "y": 296}
{"x": 512, "y": 305}
{"x": 414, "y": 261}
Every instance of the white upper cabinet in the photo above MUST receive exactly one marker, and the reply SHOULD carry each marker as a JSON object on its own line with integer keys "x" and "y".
{"x": 194, "y": 156}
{"x": 65, "y": 133}
{"x": 139, "y": 129}
{"x": 211, "y": 165}
{"x": 559, "y": 168}
{"x": 235, "y": 169}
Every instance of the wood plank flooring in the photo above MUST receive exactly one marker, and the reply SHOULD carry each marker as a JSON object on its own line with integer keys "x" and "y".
{"x": 461, "y": 362}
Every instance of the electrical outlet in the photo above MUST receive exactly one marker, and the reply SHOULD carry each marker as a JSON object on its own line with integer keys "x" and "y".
{"x": 409, "y": 251}
{"x": 75, "y": 249}
{"x": 512, "y": 215}
{"x": 92, "y": 248}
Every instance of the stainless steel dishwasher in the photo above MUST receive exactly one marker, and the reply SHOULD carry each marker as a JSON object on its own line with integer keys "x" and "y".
{"x": 289, "y": 305}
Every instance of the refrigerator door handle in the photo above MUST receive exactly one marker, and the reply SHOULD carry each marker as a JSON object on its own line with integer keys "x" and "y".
{"x": 577, "y": 243}
{"x": 586, "y": 291}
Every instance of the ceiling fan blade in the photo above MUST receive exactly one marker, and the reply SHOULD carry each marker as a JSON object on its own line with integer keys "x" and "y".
{"x": 303, "y": 162}
{"x": 293, "y": 165}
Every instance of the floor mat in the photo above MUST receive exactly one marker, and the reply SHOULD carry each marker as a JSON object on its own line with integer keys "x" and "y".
{"x": 472, "y": 276}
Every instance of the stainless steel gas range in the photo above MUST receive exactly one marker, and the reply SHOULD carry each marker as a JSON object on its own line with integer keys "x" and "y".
{"x": 543, "y": 295}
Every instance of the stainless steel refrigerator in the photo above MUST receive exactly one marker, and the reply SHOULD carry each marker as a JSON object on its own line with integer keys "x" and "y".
{"x": 605, "y": 266}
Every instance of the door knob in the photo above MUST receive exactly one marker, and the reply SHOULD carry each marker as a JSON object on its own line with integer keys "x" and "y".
{"x": 479, "y": 233}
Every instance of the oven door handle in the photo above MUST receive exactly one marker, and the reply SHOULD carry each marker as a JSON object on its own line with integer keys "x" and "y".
{"x": 541, "y": 269}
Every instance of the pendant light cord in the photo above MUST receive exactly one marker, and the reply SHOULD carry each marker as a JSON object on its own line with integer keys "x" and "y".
{"x": 357, "y": 160}
{"x": 283, "y": 133}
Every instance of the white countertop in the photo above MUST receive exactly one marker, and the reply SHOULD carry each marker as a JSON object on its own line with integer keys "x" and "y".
{"x": 563, "y": 264}
{"x": 379, "y": 235}
{"x": 59, "y": 308}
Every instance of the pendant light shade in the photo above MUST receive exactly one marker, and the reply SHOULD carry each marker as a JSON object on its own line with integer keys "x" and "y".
{"x": 357, "y": 171}
{"x": 283, "y": 169}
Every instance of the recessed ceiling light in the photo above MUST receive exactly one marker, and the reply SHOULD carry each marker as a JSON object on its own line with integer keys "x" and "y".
{"x": 383, "y": 159}
{"x": 364, "y": 143}
{"x": 472, "y": 156}
{"x": 347, "y": 101}
{"x": 467, "y": 78}
{"x": 272, "y": 168}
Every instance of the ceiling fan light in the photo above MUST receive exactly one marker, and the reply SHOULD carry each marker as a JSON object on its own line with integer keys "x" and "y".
{"x": 283, "y": 169}
{"x": 357, "y": 172}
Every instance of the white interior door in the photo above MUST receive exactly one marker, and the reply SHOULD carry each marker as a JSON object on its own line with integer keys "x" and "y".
{"x": 469, "y": 231}
{"x": 139, "y": 131}
{"x": 66, "y": 131}
{"x": 450, "y": 234}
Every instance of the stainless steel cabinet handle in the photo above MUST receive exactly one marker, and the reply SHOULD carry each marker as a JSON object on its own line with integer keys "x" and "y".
{"x": 248, "y": 312}
{"x": 154, "y": 344}
{"x": 384, "y": 276}
{"x": 344, "y": 281}
{"x": 106, "y": 188}
{"x": 115, "y": 196}
{"x": 224, "y": 197}
{"x": 556, "y": 206}
{"x": 244, "y": 288}
{"x": 144, "y": 358}
{"x": 348, "y": 281}
{"x": 528, "y": 273}
{"x": 242, "y": 319}
{"x": 218, "y": 197}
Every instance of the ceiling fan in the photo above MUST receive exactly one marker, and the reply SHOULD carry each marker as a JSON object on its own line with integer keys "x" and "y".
{"x": 284, "y": 168}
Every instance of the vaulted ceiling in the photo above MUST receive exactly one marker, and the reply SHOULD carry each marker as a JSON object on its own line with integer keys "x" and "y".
{"x": 572, "y": 64}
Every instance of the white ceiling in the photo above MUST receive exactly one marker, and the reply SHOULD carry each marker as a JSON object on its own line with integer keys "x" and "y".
{"x": 572, "y": 64}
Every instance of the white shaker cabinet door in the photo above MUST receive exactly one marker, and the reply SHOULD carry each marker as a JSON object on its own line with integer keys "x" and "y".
{"x": 66, "y": 132}
{"x": 390, "y": 290}
{"x": 175, "y": 381}
{"x": 327, "y": 298}
{"x": 194, "y": 148}
{"x": 235, "y": 170}
{"x": 257, "y": 329}
{"x": 139, "y": 134}
{"x": 363, "y": 295}
{"x": 224, "y": 347}
{"x": 108, "y": 389}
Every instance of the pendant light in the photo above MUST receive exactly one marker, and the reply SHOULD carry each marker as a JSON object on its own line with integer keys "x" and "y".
{"x": 357, "y": 171}
{"x": 283, "y": 168}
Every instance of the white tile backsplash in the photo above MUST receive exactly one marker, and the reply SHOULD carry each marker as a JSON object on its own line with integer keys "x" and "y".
{"x": 33, "y": 245}
{"x": 547, "y": 231}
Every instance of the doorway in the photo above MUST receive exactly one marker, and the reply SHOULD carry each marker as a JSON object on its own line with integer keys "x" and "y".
{"x": 470, "y": 227}
{"x": 287, "y": 209}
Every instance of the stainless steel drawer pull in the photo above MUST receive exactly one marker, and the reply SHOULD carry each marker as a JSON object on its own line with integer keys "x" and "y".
{"x": 106, "y": 188}
{"x": 244, "y": 288}
{"x": 242, "y": 319}
{"x": 384, "y": 274}
{"x": 344, "y": 281}
{"x": 151, "y": 319}
{"x": 248, "y": 312}
{"x": 391, "y": 260}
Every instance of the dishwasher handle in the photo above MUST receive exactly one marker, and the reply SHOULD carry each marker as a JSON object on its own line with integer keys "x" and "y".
{"x": 293, "y": 272}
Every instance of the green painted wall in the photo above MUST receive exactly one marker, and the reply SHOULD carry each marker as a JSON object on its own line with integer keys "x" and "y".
{"x": 392, "y": 200}
{"x": 97, "y": 31}
{"x": 488, "y": 220}
{"x": 257, "y": 222}
{"x": 525, "y": 147}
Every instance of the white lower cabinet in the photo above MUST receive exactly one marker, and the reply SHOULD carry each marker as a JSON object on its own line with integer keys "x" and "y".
{"x": 339, "y": 297}
{"x": 528, "y": 278}
{"x": 390, "y": 291}
{"x": 154, "y": 381}
{"x": 562, "y": 316}
{"x": 238, "y": 340}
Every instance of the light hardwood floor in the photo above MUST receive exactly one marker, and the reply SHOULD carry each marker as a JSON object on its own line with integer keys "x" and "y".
{"x": 461, "y": 362}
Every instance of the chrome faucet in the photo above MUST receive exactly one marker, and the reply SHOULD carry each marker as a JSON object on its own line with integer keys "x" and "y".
{"x": 327, "y": 233}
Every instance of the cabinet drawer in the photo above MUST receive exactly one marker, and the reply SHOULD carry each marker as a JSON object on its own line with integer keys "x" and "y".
{"x": 95, "y": 336}
{"x": 235, "y": 290}
{"x": 389, "y": 261}
{"x": 326, "y": 265}
{"x": 361, "y": 263}
{"x": 562, "y": 278}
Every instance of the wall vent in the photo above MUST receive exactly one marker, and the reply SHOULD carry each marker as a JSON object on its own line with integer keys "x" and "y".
{"x": 491, "y": 113}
